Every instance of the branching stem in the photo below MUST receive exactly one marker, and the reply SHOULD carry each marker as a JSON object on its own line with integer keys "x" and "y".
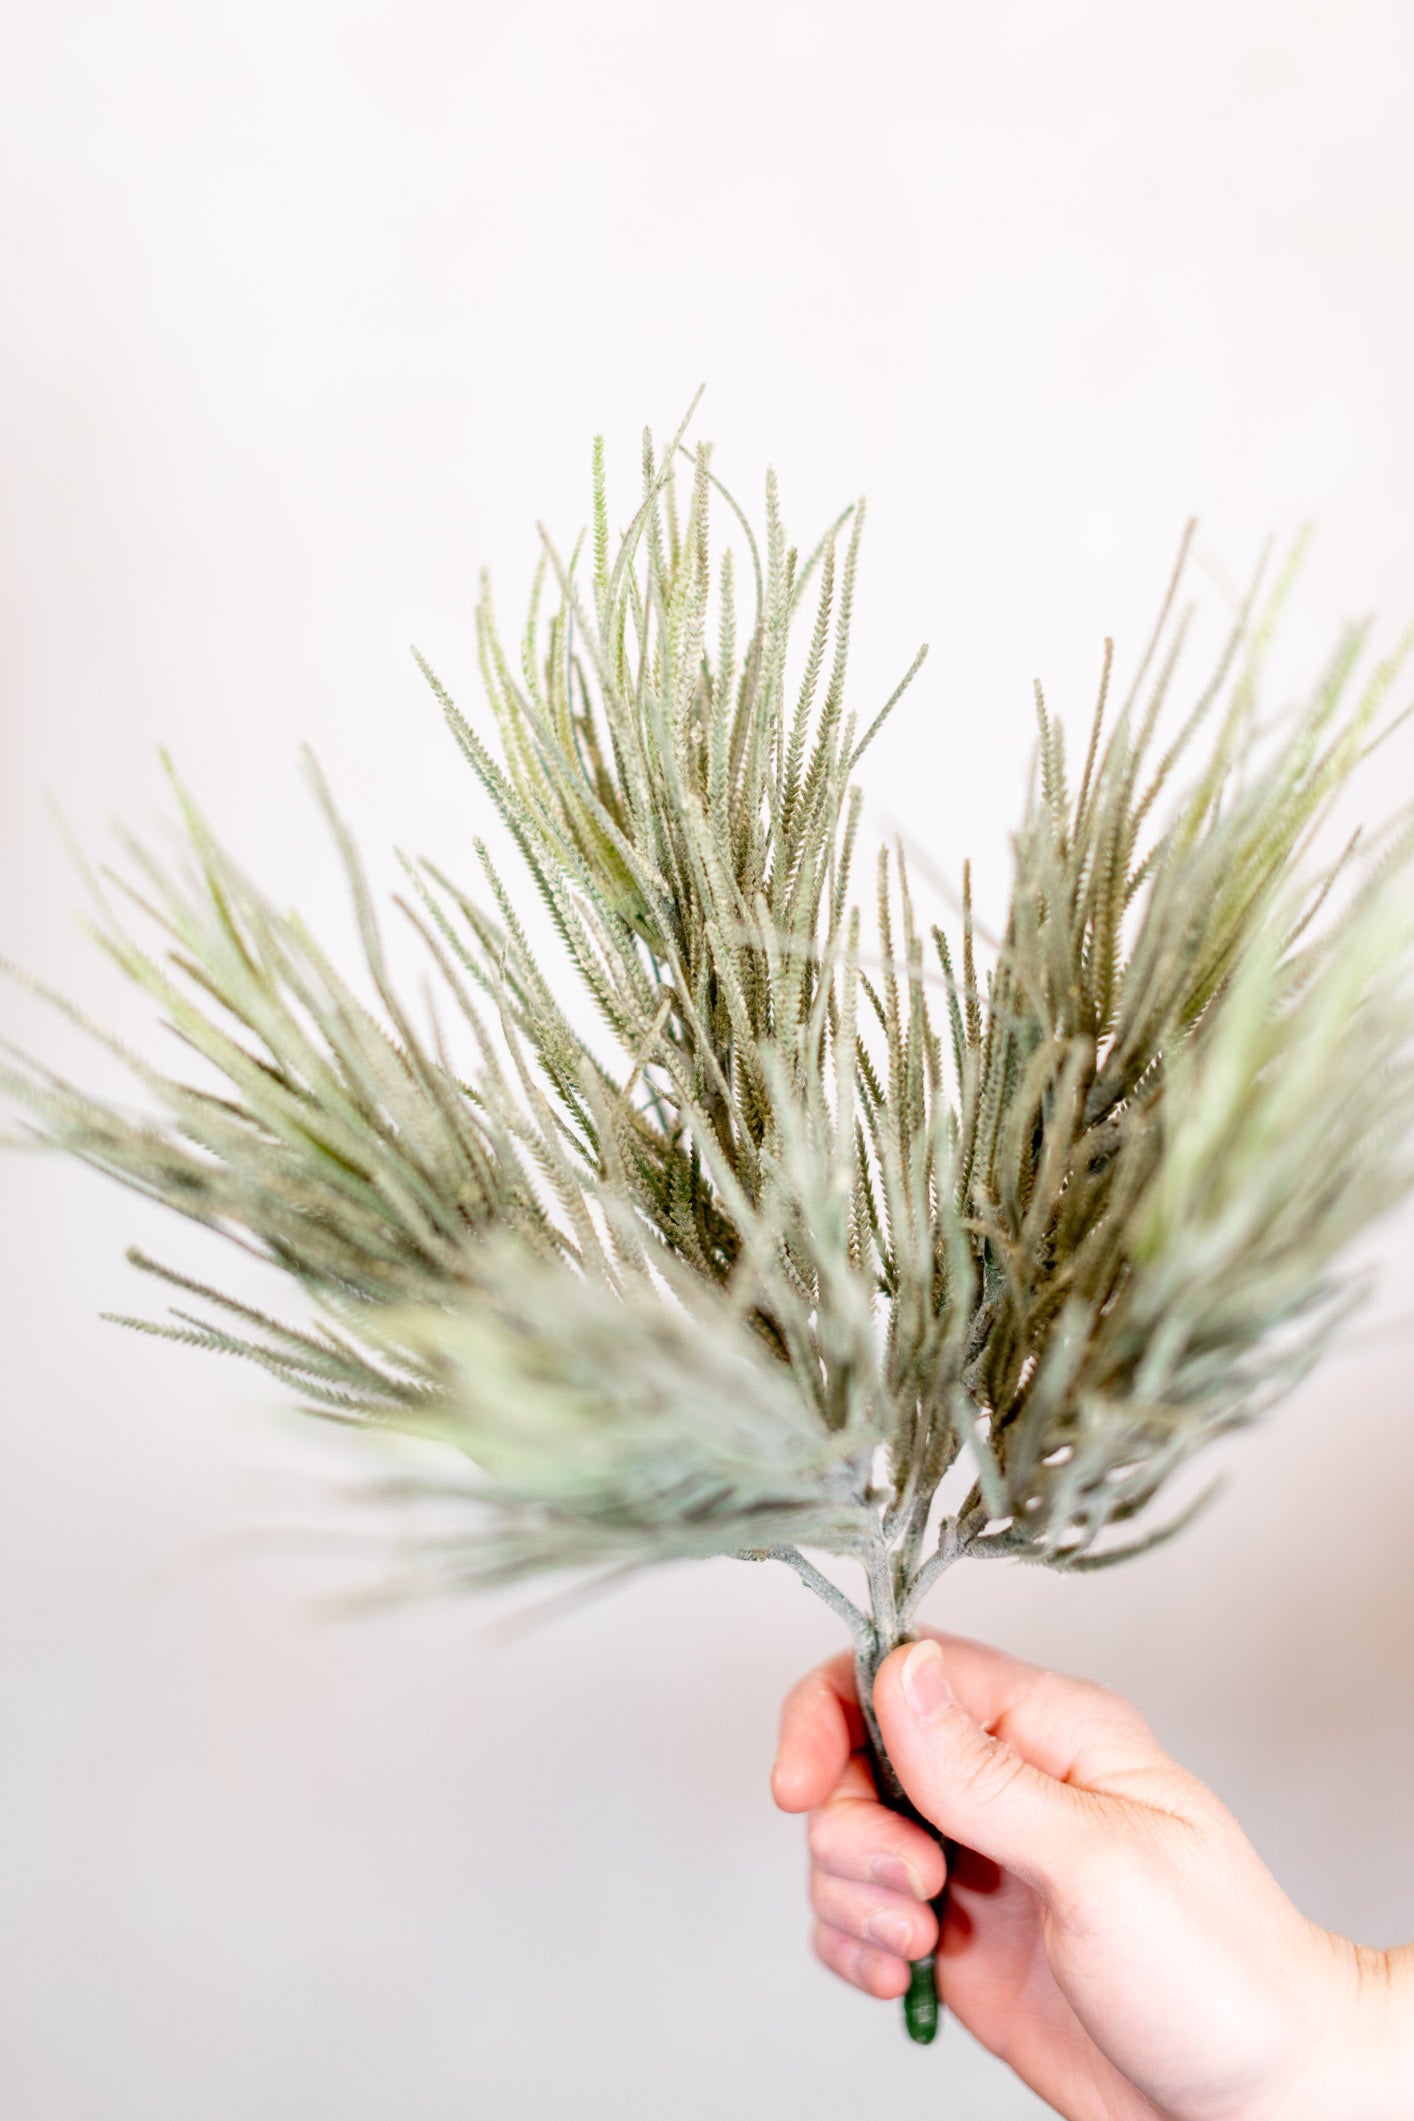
{"x": 955, "y": 1535}
{"x": 858, "y": 1622}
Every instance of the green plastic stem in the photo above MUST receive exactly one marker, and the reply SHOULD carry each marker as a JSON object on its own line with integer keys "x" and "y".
{"x": 922, "y": 2012}
{"x": 920, "y": 2005}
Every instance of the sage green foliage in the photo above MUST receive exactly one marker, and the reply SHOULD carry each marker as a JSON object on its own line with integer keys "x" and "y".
{"x": 803, "y": 1213}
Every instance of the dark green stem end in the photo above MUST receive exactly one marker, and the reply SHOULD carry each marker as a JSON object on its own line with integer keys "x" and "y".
{"x": 920, "y": 2005}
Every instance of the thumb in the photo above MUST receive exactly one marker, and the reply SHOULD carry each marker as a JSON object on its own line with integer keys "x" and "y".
{"x": 973, "y": 1787}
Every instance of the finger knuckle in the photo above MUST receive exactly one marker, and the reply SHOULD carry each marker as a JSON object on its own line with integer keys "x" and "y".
{"x": 818, "y": 1835}
{"x": 839, "y": 1953}
{"x": 1090, "y": 1701}
{"x": 1122, "y": 1716}
{"x": 836, "y": 1833}
{"x": 988, "y": 1773}
{"x": 824, "y": 1896}
{"x": 879, "y": 1972}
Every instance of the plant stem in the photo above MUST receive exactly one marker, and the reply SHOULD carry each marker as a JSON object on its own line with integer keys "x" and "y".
{"x": 814, "y": 1580}
{"x": 892, "y": 1600}
{"x": 921, "y": 2009}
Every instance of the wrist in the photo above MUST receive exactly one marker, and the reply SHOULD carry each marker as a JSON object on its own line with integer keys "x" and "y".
{"x": 1387, "y": 2001}
{"x": 1364, "y": 2065}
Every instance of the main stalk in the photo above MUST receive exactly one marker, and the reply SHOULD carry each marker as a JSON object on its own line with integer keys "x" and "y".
{"x": 921, "y": 2008}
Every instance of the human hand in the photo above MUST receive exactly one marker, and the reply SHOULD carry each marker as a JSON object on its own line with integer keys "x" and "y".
{"x": 1109, "y": 1931}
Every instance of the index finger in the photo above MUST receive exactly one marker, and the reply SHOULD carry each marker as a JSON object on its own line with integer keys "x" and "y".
{"x": 820, "y": 1728}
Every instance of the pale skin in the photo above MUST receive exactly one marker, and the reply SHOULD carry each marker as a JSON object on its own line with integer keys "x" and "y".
{"x": 1109, "y": 1932}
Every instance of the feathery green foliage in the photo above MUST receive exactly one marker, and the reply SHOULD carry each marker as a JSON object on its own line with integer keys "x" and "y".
{"x": 750, "y": 1261}
{"x": 1071, "y": 1224}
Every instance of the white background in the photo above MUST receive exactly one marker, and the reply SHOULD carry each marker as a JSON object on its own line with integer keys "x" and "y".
{"x": 308, "y": 313}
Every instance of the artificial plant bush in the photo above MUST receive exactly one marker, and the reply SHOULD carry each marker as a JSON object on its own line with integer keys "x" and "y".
{"x": 813, "y": 1211}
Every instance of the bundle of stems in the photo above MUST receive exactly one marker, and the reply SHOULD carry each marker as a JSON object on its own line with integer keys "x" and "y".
{"x": 743, "y": 1233}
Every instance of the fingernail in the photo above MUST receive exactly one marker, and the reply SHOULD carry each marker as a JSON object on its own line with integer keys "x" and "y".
{"x": 894, "y": 1932}
{"x": 925, "y": 1685}
{"x": 897, "y": 1874}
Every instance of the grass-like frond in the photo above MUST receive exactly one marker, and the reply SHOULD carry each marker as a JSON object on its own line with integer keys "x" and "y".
{"x": 752, "y": 1216}
{"x": 339, "y": 1145}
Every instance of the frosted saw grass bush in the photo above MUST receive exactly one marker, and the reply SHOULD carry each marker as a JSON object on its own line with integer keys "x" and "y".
{"x": 826, "y": 1207}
